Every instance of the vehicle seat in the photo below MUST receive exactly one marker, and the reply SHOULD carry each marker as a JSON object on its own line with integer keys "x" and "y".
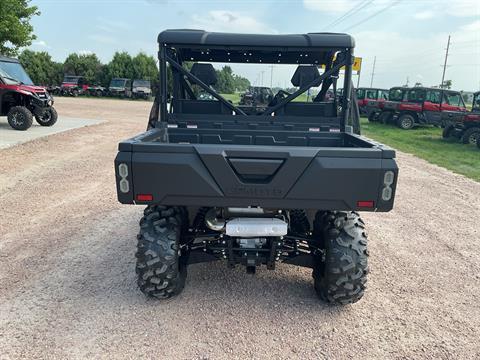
{"x": 304, "y": 74}
{"x": 205, "y": 72}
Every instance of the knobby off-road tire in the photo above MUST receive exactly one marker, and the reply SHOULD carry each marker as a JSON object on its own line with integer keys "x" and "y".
{"x": 372, "y": 117}
{"x": 340, "y": 277}
{"x": 20, "y": 118}
{"x": 48, "y": 118}
{"x": 161, "y": 268}
{"x": 384, "y": 117}
{"x": 471, "y": 135}
{"x": 448, "y": 131}
{"x": 406, "y": 122}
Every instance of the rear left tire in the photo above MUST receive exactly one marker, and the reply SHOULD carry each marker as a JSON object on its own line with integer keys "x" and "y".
{"x": 161, "y": 267}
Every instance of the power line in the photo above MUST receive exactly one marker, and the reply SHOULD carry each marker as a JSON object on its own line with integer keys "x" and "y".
{"x": 374, "y": 15}
{"x": 349, "y": 13}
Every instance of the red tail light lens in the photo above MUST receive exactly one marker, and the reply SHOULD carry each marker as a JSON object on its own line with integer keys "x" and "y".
{"x": 144, "y": 197}
{"x": 366, "y": 204}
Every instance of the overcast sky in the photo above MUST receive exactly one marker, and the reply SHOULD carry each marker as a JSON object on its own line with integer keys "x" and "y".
{"x": 408, "y": 37}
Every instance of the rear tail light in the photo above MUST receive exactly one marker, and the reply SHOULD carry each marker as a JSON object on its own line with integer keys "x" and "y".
{"x": 123, "y": 173}
{"x": 144, "y": 197}
{"x": 366, "y": 204}
{"x": 388, "y": 180}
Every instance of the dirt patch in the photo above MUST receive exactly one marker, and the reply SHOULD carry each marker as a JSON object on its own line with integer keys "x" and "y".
{"x": 67, "y": 281}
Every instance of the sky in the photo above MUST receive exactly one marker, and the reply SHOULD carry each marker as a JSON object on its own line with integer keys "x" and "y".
{"x": 408, "y": 38}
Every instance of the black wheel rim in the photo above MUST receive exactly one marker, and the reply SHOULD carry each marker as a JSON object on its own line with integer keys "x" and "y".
{"x": 46, "y": 117}
{"x": 18, "y": 119}
{"x": 472, "y": 139}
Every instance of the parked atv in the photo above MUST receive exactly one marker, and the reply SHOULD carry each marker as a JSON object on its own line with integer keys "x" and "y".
{"x": 255, "y": 189}
{"x": 21, "y": 100}
{"x": 73, "y": 85}
{"x": 96, "y": 90}
{"x": 425, "y": 106}
{"x": 141, "y": 89}
{"x": 382, "y": 110}
{"x": 464, "y": 125}
{"x": 120, "y": 88}
{"x": 367, "y": 95}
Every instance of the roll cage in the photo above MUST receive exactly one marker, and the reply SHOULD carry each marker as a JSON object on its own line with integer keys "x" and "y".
{"x": 177, "y": 47}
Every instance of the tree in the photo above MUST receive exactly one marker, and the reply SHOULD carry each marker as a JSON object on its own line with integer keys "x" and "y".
{"x": 418, "y": 84}
{"x": 121, "y": 66}
{"x": 225, "y": 80}
{"x": 241, "y": 83}
{"x": 41, "y": 68}
{"x": 145, "y": 68}
{"x": 86, "y": 65}
{"x": 447, "y": 84}
{"x": 15, "y": 28}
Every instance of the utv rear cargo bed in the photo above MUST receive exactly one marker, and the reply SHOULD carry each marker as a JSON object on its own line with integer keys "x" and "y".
{"x": 240, "y": 167}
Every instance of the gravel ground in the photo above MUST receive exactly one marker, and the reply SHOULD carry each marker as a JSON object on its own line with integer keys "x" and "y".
{"x": 67, "y": 279}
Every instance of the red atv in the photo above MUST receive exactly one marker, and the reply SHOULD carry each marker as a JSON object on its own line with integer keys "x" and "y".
{"x": 367, "y": 95}
{"x": 383, "y": 110}
{"x": 21, "y": 100}
{"x": 73, "y": 85}
{"x": 464, "y": 125}
{"x": 424, "y": 106}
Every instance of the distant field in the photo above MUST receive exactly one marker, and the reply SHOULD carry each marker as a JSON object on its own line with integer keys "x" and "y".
{"x": 235, "y": 98}
{"x": 428, "y": 144}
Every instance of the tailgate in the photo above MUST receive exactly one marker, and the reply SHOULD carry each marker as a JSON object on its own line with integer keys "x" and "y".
{"x": 277, "y": 177}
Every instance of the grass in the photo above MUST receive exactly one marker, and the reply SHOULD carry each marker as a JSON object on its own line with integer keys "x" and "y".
{"x": 234, "y": 98}
{"x": 427, "y": 143}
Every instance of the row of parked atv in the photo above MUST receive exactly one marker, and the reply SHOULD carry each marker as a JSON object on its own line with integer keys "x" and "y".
{"x": 410, "y": 107}
{"x": 119, "y": 87}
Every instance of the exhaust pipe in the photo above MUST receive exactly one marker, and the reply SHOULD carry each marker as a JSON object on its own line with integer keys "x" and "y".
{"x": 213, "y": 222}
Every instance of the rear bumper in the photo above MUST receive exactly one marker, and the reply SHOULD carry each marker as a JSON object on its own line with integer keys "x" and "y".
{"x": 304, "y": 178}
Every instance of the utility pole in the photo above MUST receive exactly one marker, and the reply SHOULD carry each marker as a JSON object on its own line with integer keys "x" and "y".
{"x": 373, "y": 71}
{"x": 445, "y": 63}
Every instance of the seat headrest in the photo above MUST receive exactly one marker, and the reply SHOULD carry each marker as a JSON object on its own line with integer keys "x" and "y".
{"x": 205, "y": 72}
{"x": 305, "y": 74}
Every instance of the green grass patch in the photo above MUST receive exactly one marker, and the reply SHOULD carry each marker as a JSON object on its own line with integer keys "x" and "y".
{"x": 427, "y": 143}
{"x": 234, "y": 98}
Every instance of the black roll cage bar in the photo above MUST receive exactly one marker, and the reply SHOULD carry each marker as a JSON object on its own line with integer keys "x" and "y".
{"x": 167, "y": 55}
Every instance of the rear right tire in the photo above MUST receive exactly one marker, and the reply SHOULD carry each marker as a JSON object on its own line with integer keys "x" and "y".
{"x": 20, "y": 118}
{"x": 340, "y": 276}
{"x": 161, "y": 267}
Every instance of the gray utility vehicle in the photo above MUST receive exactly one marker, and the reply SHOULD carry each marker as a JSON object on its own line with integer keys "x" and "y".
{"x": 284, "y": 185}
{"x": 141, "y": 89}
{"x": 120, "y": 87}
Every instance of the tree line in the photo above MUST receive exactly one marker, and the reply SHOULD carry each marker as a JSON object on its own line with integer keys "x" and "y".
{"x": 44, "y": 71}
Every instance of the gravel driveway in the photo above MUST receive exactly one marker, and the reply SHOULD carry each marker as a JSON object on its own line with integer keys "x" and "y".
{"x": 67, "y": 279}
